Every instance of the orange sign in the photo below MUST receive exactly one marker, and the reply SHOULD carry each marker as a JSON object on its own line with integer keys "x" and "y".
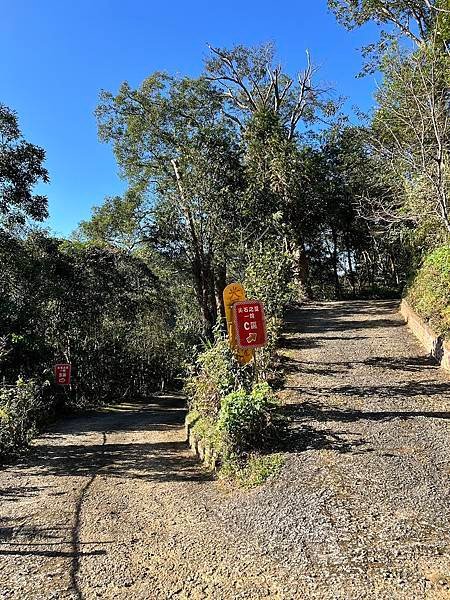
{"x": 231, "y": 294}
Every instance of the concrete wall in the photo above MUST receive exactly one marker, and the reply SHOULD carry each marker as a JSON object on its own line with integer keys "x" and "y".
{"x": 433, "y": 343}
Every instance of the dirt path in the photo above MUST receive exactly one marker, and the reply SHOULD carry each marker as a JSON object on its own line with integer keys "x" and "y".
{"x": 113, "y": 505}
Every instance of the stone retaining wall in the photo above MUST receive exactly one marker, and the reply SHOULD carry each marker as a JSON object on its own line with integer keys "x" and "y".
{"x": 201, "y": 447}
{"x": 433, "y": 343}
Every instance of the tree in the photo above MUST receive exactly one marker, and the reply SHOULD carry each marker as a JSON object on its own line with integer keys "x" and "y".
{"x": 410, "y": 126}
{"x": 250, "y": 82}
{"x": 102, "y": 309}
{"x": 272, "y": 109}
{"x": 21, "y": 167}
{"x": 119, "y": 222}
{"x": 413, "y": 19}
{"x": 412, "y": 133}
{"x": 182, "y": 157}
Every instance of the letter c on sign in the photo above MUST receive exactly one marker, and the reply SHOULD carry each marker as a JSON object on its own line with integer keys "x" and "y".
{"x": 246, "y": 326}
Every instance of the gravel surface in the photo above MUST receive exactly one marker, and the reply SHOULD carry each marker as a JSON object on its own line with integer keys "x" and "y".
{"x": 113, "y": 505}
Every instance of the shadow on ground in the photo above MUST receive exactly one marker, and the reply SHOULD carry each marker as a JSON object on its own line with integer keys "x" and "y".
{"x": 68, "y": 451}
{"x": 378, "y": 392}
{"x": 314, "y": 326}
{"x": 154, "y": 461}
{"x": 335, "y": 317}
{"x": 410, "y": 364}
{"x": 161, "y": 461}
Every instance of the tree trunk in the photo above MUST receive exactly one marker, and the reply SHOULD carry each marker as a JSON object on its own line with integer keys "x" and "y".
{"x": 394, "y": 269}
{"x": 337, "y": 285}
{"x": 220, "y": 282}
{"x": 300, "y": 268}
{"x": 201, "y": 266}
{"x": 201, "y": 286}
{"x": 351, "y": 273}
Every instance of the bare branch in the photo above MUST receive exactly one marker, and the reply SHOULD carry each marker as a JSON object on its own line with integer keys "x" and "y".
{"x": 237, "y": 79}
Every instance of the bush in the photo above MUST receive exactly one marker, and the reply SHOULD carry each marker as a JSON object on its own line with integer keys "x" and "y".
{"x": 229, "y": 412}
{"x": 249, "y": 421}
{"x": 217, "y": 373}
{"x": 429, "y": 293}
{"x": 21, "y": 410}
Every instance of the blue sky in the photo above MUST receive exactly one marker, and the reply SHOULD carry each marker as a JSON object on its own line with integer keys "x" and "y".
{"x": 56, "y": 56}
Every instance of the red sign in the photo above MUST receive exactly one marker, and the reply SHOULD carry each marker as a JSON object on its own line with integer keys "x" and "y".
{"x": 62, "y": 374}
{"x": 250, "y": 324}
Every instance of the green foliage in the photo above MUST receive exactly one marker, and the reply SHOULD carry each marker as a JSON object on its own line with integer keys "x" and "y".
{"x": 249, "y": 420}
{"x": 21, "y": 168}
{"x": 22, "y": 409}
{"x": 101, "y": 309}
{"x": 116, "y": 222}
{"x": 414, "y": 98}
{"x": 182, "y": 160}
{"x": 234, "y": 416}
{"x": 216, "y": 374}
{"x": 252, "y": 82}
{"x": 205, "y": 429}
{"x": 270, "y": 169}
{"x": 396, "y": 19}
{"x": 256, "y": 471}
{"x": 268, "y": 277}
{"x": 225, "y": 183}
{"x": 410, "y": 127}
{"x": 400, "y": 13}
{"x": 429, "y": 292}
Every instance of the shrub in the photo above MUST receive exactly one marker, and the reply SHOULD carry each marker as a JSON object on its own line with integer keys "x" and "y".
{"x": 249, "y": 420}
{"x": 205, "y": 429}
{"x": 429, "y": 293}
{"x": 217, "y": 373}
{"x": 236, "y": 417}
{"x": 21, "y": 411}
{"x": 268, "y": 278}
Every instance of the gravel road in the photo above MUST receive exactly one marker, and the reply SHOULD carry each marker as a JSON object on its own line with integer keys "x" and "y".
{"x": 113, "y": 505}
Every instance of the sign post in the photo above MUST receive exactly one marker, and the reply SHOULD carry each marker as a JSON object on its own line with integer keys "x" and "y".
{"x": 63, "y": 373}
{"x": 231, "y": 294}
{"x": 250, "y": 324}
{"x": 246, "y": 323}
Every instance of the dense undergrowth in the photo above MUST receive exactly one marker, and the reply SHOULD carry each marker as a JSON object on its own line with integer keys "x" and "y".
{"x": 23, "y": 408}
{"x": 242, "y": 421}
{"x": 429, "y": 292}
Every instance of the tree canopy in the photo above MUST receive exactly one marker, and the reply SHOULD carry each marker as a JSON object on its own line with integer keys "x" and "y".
{"x": 21, "y": 167}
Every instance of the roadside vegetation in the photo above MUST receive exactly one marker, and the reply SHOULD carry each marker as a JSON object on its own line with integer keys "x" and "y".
{"x": 429, "y": 291}
{"x": 247, "y": 173}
